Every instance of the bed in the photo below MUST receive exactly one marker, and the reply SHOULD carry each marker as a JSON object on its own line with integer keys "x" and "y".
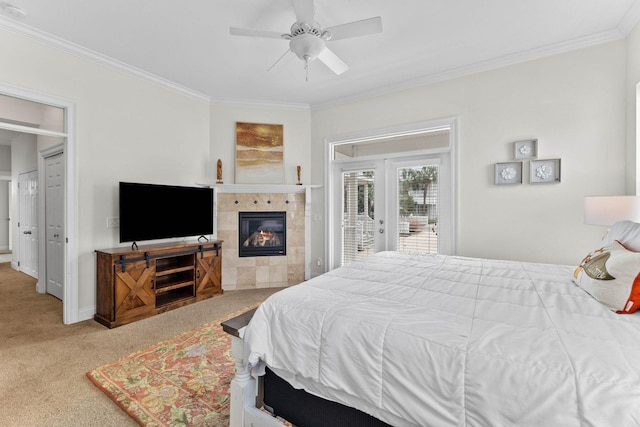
{"x": 415, "y": 340}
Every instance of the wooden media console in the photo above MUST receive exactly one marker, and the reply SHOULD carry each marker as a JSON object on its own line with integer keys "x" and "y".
{"x": 133, "y": 284}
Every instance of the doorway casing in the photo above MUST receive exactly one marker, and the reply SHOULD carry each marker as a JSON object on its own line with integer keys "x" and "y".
{"x": 68, "y": 147}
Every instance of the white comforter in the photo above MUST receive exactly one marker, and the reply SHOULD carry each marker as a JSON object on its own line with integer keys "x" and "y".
{"x": 453, "y": 341}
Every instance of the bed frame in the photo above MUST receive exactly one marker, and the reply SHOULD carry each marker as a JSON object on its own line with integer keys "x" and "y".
{"x": 260, "y": 403}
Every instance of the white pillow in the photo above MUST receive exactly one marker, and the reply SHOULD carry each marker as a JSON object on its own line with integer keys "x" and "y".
{"x": 611, "y": 275}
{"x": 625, "y": 232}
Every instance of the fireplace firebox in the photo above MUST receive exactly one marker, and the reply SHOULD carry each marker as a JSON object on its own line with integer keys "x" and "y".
{"x": 262, "y": 234}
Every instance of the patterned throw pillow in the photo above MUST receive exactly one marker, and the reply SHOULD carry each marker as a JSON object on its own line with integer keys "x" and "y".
{"x": 612, "y": 276}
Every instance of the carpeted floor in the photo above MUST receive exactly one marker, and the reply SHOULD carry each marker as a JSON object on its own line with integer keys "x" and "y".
{"x": 43, "y": 362}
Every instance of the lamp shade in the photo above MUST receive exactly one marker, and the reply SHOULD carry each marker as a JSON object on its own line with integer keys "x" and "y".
{"x": 607, "y": 210}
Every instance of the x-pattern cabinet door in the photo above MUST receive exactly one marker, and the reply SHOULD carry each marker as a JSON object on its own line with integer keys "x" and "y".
{"x": 208, "y": 272}
{"x": 134, "y": 293}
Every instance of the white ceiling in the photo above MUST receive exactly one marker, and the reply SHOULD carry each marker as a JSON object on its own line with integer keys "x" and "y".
{"x": 188, "y": 42}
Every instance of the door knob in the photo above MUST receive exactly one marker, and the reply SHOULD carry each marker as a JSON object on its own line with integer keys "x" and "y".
{"x": 381, "y": 230}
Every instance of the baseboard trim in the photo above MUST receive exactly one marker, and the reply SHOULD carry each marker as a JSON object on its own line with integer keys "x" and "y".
{"x": 86, "y": 313}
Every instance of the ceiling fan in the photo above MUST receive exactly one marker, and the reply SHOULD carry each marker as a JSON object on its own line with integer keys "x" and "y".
{"x": 307, "y": 39}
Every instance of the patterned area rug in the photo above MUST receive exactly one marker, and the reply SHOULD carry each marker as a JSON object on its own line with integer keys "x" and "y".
{"x": 183, "y": 381}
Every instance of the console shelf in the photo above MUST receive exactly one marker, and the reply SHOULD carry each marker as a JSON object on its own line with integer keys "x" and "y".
{"x": 135, "y": 284}
{"x": 173, "y": 270}
{"x": 171, "y": 286}
{"x": 165, "y": 300}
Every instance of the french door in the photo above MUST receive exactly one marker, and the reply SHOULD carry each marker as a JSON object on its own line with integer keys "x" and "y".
{"x": 360, "y": 214}
{"x": 401, "y": 204}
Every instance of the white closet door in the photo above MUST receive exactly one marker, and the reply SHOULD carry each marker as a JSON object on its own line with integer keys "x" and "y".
{"x": 54, "y": 219}
{"x": 28, "y": 228}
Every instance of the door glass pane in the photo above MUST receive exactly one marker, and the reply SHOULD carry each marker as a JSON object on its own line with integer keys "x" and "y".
{"x": 417, "y": 209}
{"x": 357, "y": 216}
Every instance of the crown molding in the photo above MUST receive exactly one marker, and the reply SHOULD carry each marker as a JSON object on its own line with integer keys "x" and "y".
{"x": 488, "y": 65}
{"x": 95, "y": 57}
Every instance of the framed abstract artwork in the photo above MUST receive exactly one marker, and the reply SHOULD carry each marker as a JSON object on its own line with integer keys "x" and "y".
{"x": 259, "y": 153}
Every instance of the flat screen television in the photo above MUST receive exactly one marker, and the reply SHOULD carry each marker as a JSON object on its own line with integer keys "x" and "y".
{"x": 151, "y": 211}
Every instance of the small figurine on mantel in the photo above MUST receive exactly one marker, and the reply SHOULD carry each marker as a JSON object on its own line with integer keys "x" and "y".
{"x": 299, "y": 183}
{"x": 219, "y": 172}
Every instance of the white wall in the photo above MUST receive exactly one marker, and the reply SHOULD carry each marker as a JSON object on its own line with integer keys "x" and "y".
{"x": 5, "y": 158}
{"x": 573, "y": 103}
{"x": 127, "y": 129}
{"x": 32, "y": 113}
{"x": 297, "y": 133}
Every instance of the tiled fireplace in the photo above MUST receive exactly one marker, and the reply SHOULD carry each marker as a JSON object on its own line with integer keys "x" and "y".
{"x": 259, "y": 270}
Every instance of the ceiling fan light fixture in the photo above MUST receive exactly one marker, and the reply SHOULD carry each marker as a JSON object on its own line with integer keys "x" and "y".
{"x": 300, "y": 28}
{"x": 306, "y": 46}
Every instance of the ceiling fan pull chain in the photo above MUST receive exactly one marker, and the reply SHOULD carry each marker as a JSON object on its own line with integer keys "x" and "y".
{"x": 306, "y": 69}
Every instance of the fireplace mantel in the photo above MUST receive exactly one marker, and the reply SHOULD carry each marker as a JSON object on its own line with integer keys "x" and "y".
{"x": 264, "y": 188}
{"x": 260, "y": 188}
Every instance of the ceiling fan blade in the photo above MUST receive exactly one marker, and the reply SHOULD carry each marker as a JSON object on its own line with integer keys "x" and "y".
{"x": 304, "y": 10}
{"x": 356, "y": 28}
{"x": 254, "y": 33}
{"x": 331, "y": 60}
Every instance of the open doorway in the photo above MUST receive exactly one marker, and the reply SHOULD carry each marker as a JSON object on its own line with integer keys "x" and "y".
{"x": 46, "y": 120}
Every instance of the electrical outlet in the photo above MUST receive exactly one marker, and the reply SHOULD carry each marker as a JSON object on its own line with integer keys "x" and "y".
{"x": 318, "y": 262}
{"x": 113, "y": 222}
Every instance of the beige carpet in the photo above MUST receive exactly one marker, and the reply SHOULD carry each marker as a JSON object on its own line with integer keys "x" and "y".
{"x": 43, "y": 362}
